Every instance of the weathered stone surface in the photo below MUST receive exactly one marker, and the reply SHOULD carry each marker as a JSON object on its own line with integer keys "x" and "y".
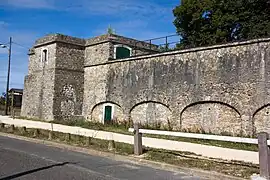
{"x": 218, "y": 89}
{"x": 211, "y": 117}
{"x": 151, "y": 113}
{"x": 97, "y": 54}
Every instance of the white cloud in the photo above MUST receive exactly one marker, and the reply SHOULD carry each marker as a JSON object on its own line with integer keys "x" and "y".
{"x": 119, "y": 8}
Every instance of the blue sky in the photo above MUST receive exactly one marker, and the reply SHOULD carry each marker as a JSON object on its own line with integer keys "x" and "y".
{"x": 27, "y": 20}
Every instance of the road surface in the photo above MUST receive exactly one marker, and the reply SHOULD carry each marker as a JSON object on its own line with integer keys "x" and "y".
{"x": 32, "y": 161}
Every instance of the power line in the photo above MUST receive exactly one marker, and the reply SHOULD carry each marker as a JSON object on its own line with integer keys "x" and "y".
{"x": 20, "y": 45}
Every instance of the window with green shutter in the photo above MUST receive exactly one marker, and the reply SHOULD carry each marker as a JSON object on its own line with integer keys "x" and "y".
{"x": 122, "y": 52}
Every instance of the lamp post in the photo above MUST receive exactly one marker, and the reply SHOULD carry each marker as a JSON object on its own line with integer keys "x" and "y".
{"x": 8, "y": 72}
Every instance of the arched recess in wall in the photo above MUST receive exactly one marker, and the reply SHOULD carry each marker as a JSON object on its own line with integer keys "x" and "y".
{"x": 151, "y": 113}
{"x": 261, "y": 119}
{"x": 211, "y": 117}
{"x": 106, "y": 112}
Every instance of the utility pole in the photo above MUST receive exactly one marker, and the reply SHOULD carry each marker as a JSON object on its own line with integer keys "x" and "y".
{"x": 8, "y": 71}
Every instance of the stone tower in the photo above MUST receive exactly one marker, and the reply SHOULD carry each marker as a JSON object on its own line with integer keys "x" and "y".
{"x": 54, "y": 85}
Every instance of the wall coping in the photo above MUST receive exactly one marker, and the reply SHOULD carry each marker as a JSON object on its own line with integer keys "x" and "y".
{"x": 197, "y": 49}
{"x": 52, "y": 38}
{"x": 121, "y": 40}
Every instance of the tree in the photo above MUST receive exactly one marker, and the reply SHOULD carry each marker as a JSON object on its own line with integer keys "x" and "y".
{"x": 209, "y": 22}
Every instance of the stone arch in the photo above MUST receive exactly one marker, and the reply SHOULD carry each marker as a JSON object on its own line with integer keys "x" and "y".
{"x": 211, "y": 117}
{"x": 97, "y": 112}
{"x": 151, "y": 113}
{"x": 261, "y": 119}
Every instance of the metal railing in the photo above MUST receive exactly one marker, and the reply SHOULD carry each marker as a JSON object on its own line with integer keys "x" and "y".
{"x": 171, "y": 43}
{"x": 156, "y": 45}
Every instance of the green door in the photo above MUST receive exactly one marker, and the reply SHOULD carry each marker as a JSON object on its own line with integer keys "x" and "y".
{"x": 122, "y": 52}
{"x": 108, "y": 114}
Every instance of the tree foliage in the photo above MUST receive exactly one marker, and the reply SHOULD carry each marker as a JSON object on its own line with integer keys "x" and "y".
{"x": 208, "y": 22}
{"x": 2, "y": 99}
{"x": 110, "y": 30}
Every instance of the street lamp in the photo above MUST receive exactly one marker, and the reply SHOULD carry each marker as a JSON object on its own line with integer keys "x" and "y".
{"x": 9, "y": 57}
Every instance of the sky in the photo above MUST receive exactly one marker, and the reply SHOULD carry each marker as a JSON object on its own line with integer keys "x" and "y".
{"x": 27, "y": 20}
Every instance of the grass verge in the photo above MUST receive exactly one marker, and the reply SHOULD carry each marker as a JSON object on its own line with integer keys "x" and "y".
{"x": 181, "y": 159}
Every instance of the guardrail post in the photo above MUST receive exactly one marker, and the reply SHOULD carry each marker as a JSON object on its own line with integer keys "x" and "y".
{"x": 36, "y": 133}
{"x": 264, "y": 159}
{"x": 23, "y": 129}
{"x": 12, "y": 128}
{"x": 50, "y": 135}
{"x": 68, "y": 137}
{"x": 137, "y": 140}
{"x": 2, "y": 125}
{"x": 88, "y": 141}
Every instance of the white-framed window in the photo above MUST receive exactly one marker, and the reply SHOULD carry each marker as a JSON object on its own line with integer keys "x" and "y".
{"x": 44, "y": 55}
{"x": 122, "y": 51}
{"x": 108, "y": 112}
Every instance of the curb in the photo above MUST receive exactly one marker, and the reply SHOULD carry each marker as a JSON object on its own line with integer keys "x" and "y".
{"x": 130, "y": 159}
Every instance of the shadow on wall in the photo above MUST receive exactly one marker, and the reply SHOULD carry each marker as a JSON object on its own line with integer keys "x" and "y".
{"x": 211, "y": 117}
{"x": 261, "y": 119}
{"x": 152, "y": 114}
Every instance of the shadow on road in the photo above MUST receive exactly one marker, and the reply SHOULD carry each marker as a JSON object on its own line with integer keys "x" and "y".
{"x": 34, "y": 170}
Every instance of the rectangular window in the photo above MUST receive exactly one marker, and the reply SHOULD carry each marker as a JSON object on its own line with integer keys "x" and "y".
{"x": 122, "y": 52}
{"x": 45, "y": 55}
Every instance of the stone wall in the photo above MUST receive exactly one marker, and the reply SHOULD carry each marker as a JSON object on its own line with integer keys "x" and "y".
{"x": 39, "y": 95}
{"x": 69, "y": 81}
{"x": 39, "y": 85}
{"x": 151, "y": 113}
{"x": 99, "y": 53}
{"x": 216, "y": 89}
{"x": 221, "y": 89}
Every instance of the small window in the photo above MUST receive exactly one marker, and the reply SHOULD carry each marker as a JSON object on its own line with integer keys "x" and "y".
{"x": 122, "y": 51}
{"x": 44, "y": 57}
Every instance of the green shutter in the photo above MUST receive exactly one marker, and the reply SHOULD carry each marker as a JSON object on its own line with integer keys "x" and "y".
{"x": 122, "y": 52}
{"x": 108, "y": 113}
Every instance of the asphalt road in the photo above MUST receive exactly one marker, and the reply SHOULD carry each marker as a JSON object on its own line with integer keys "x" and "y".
{"x": 29, "y": 161}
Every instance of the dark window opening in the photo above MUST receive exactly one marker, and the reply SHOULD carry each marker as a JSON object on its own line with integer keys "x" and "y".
{"x": 45, "y": 55}
{"x": 122, "y": 52}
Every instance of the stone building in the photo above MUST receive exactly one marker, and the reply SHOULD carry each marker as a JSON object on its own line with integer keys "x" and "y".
{"x": 218, "y": 89}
